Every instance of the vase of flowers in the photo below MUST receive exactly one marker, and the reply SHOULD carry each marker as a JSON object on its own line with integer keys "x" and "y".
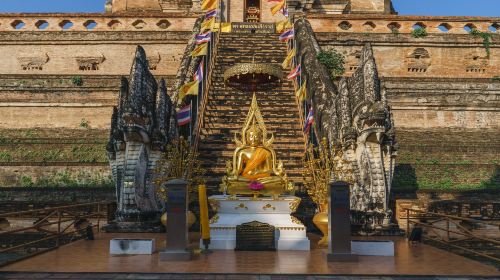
{"x": 256, "y": 187}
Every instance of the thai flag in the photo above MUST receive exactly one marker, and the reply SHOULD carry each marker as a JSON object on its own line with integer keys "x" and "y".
{"x": 198, "y": 76}
{"x": 309, "y": 122}
{"x": 295, "y": 72}
{"x": 184, "y": 115}
{"x": 284, "y": 11}
{"x": 287, "y": 35}
{"x": 210, "y": 14}
{"x": 203, "y": 38}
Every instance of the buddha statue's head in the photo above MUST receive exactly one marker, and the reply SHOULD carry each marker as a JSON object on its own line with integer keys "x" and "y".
{"x": 254, "y": 136}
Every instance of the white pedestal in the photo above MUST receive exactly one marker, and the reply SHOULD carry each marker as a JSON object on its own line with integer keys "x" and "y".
{"x": 130, "y": 246}
{"x": 372, "y": 247}
{"x": 231, "y": 212}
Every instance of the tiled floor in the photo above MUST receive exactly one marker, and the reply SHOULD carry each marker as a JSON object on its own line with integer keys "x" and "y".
{"x": 165, "y": 276}
{"x": 93, "y": 256}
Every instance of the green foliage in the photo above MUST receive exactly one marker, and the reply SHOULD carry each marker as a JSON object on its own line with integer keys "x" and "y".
{"x": 29, "y": 133}
{"x": 395, "y": 31}
{"x": 84, "y": 123}
{"x": 5, "y": 157}
{"x": 26, "y": 181}
{"x": 496, "y": 79}
{"x": 68, "y": 179}
{"x": 77, "y": 80}
{"x": 52, "y": 155}
{"x": 419, "y": 32}
{"x": 333, "y": 61}
{"x": 85, "y": 153}
{"x": 486, "y": 39}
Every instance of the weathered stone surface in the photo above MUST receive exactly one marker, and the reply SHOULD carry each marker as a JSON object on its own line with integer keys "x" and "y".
{"x": 356, "y": 117}
{"x": 140, "y": 129}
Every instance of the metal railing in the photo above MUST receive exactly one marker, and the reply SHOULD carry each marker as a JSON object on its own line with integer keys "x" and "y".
{"x": 54, "y": 227}
{"x": 447, "y": 235}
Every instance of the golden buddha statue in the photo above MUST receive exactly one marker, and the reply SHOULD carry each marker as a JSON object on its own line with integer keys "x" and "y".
{"x": 254, "y": 169}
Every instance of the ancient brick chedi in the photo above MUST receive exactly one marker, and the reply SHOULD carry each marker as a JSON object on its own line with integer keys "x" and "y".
{"x": 437, "y": 91}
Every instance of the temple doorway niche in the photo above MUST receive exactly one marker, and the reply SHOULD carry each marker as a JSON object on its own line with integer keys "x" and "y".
{"x": 252, "y": 11}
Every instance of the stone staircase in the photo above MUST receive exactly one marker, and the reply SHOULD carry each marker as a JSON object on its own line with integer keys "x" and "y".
{"x": 227, "y": 108}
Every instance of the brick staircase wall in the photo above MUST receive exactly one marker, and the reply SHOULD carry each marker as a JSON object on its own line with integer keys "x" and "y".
{"x": 227, "y": 108}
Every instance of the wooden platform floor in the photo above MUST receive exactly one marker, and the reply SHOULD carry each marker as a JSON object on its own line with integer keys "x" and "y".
{"x": 93, "y": 256}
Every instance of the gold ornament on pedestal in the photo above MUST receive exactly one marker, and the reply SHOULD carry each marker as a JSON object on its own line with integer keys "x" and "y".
{"x": 179, "y": 161}
{"x": 320, "y": 164}
{"x": 254, "y": 161}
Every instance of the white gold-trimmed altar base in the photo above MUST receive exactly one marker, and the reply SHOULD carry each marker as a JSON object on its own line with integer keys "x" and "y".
{"x": 234, "y": 211}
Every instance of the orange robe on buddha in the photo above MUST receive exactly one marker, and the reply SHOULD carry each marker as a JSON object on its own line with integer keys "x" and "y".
{"x": 258, "y": 158}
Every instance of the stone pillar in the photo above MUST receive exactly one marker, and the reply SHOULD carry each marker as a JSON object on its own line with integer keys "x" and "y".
{"x": 177, "y": 228}
{"x": 339, "y": 223}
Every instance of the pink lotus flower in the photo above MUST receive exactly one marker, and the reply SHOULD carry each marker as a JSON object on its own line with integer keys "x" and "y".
{"x": 255, "y": 186}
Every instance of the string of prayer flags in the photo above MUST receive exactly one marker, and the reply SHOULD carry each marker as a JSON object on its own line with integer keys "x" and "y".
{"x": 200, "y": 50}
{"x": 287, "y": 35}
{"x": 309, "y": 121}
{"x": 283, "y": 25}
{"x": 278, "y": 7}
{"x": 184, "y": 115}
{"x": 203, "y": 38}
{"x": 288, "y": 59}
{"x": 208, "y": 24}
{"x": 211, "y": 13}
{"x": 302, "y": 92}
{"x": 208, "y": 5}
{"x": 294, "y": 73}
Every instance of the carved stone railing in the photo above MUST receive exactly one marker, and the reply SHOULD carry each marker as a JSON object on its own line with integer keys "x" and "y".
{"x": 356, "y": 117}
{"x": 97, "y": 22}
{"x": 200, "y": 122}
{"x": 401, "y": 24}
{"x": 320, "y": 87}
{"x": 186, "y": 62}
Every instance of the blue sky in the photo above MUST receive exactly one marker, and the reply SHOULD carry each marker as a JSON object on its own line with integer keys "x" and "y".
{"x": 404, "y": 7}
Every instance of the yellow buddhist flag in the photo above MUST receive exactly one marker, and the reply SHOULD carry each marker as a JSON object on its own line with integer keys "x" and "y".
{"x": 288, "y": 59}
{"x": 207, "y": 5}
{"x": 225, "y": 27}
{"x": 200, "y": 50}
{"x": 283, "y": 25}
{"x": 208, "y": 24}
{"x": 276, "y": 8}
{"x": 190, "y": 88}
{"x": 302, "y": 92}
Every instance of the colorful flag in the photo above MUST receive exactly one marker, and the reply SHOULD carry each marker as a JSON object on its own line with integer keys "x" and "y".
{"x": 210, "y": 14}
{"x": 203, "y": 38}
{"x": 288, "y": 59}
{"x": 184, "y": 115}
{"x": 309, "y": 122}
{"x": 225, "y": 27}
{"x": 283, "y": 25}
{"x": 302, "y": 92}
{"x": 208, "y": 5}
{"x": 294, "y": 73}
{"x": 198, "y": 76}
{"x": 208, "y": 24}
{"x": 190, "y": 88}
{"x": 284, "y": 11}
{"x": 200, "y": 50}
{"x": 276, "y": 8}
{"x": 287, "y": 35}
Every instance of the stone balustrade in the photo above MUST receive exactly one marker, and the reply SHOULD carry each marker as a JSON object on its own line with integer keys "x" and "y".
{"x": 184, "y": 22}
{"x": 97, "y": 22}
{"x": 402, "y": 24}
